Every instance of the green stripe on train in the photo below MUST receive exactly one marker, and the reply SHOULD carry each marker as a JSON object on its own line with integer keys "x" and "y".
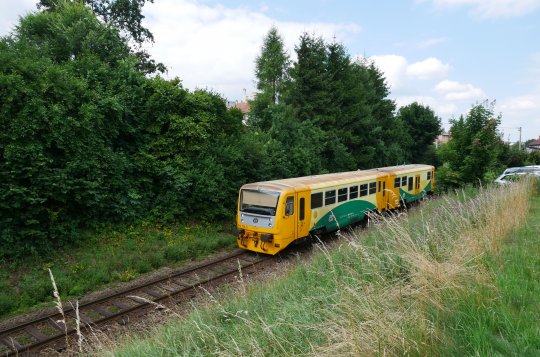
{"x": 407, "y": 197}
{"x": 343, "y": 215}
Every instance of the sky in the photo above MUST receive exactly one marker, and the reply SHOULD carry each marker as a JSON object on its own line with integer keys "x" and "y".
{"x": 446, "y": 54}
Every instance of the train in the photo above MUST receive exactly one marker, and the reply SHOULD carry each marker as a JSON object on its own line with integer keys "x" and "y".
{"x": 273, "y": 214}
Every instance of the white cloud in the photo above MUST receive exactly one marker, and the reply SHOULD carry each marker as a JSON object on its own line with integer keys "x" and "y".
{"x": 396, "y": 69}
{"x": 525, "y": 102}
{"x": 215, "y": 47}
{"x": 431, "y": 42}
{"x": 453, "y": 90}
{"x": 492, "y": 8}
{"x": 428, "y": 69}
{"x": 393, "y": 67}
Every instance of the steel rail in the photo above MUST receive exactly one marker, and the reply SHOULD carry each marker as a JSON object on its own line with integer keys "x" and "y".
{"x": 7, "y": 339}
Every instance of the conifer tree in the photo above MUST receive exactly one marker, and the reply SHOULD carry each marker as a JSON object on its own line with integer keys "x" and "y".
{"x": 309, "y": 88}
{"x": 271, "y": 67}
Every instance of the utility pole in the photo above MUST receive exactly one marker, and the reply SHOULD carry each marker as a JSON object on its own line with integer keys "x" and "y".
{"x": 519, "y": 138}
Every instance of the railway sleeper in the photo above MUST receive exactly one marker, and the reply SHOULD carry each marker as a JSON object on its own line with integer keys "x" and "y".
{"x": 12, "y": 343}
{"x": 57, "y": 325}
{"x": 101, "y": 310}
{"x": 153, "y": 293}
{"x": 119, "y": 304}
{"x": 36, "y": 333}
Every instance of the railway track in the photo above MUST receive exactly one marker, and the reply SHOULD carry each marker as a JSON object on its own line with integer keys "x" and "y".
{"x": 29, "y": 337}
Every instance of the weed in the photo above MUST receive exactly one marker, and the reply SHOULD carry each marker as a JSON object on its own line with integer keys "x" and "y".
{"x": 118, "y": 253}
{"x": 389, "y": 292}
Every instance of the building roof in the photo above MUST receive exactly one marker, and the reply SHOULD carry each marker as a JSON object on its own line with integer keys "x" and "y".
{"x": 336, "y": 179}
{"x": 243, "y": 106}
{"x": 535, "y": 143}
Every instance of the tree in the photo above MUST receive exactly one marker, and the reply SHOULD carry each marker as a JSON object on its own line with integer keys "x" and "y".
{"x": 512, "y": 156}
{"x": 271, "y": 71}
{"x": 423, "y": 126}
{"x": 70, "y": 98}
{"x": 271, "y": 67}
{"x": 387, "y": 136}
{"x": 309, "y": 88}
{"x": 123, "y": 15}
{"x": 534, "y": 158}
{"x": 474, "y": 148}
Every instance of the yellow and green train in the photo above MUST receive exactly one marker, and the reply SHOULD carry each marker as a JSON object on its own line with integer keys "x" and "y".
{"x": 273, "y": 214}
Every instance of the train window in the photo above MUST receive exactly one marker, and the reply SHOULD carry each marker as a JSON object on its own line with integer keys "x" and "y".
{"x": 372, "y": 188}
{"x": 316, "y": 200}
{"x": 329, "y": 197}
{"x": 353, "y": 192}
{"x": 342, "y": 194}
{"x": 383, "y": 188}
{"x": 404, "y": 181}
{"x": 410, "y": 184}
{"x": 397, "y": 182}
{"x": 429, "y": 175}
{"x": 302, "y": 208}
{"x": 289, "y": 206}
{"x": 379, "y": 188}
{"x": 363, "y": 190}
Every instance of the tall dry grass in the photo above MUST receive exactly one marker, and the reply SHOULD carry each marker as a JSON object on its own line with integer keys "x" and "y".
{"x": 416, "y": 269}
{"x": 384, "y": 293}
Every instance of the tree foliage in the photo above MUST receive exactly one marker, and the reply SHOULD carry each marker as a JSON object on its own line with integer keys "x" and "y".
{"x": 475, "y": 146}
{"x": 69, "y": 92}
{"x": 126, "y": 17}
{"x": 86, "y": 137}
{"x": 423, "y": 126}
{"x": 271, "y": 67}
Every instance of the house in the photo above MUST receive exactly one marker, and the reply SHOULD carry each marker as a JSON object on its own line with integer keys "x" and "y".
{"x": 534, "y": 145}
{"x": 244, "y": 108}
{"x": 442, "y": 139}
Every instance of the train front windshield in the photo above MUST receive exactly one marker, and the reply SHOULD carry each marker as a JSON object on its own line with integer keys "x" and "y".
{"x": 259, "y": 202}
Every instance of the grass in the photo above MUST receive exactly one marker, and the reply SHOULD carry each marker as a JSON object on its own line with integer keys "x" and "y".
{"x": 448, "y": 280}
{"x": 116, "y": 254}
{"x": 503, "y": 320}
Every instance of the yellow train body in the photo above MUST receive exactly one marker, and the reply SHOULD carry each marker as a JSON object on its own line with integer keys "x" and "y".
{"x": 273, "y": 214}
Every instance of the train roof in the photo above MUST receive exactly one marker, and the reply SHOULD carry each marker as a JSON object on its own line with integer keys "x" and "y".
{"x": 335, "y": 179}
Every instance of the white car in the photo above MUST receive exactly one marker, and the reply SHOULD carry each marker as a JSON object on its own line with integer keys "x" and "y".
{"x": 524, "y": 169}
{"x": 512, "y": 176}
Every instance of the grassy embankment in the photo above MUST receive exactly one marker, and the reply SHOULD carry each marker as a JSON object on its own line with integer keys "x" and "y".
{"x": 459, "y": 277}
{"x": 115, "y": 254}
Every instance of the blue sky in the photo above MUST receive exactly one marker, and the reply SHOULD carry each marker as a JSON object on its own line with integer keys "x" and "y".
{"x": 448, "y": 54}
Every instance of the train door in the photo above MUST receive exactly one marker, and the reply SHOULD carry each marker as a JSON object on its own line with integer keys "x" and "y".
{"x": 417, "y": 184}
{"x": 381, "y": 194}
{"x": 393, "y": 191}
{"x": 304, "y": 214}
{"x": 288, "y": 222}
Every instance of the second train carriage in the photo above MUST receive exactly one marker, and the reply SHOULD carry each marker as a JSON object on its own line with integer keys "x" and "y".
{"x": 273, "y": 214}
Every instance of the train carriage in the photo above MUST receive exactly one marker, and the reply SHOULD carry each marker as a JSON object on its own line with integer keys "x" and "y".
{"x": 273, "y": 214}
